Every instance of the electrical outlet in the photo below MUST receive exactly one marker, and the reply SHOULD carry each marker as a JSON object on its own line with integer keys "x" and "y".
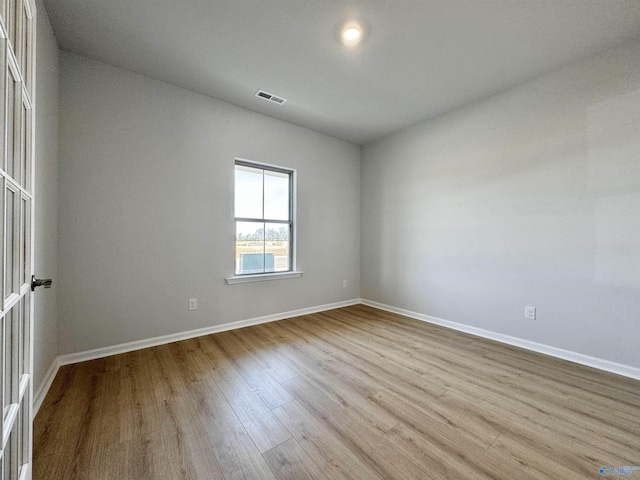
{"x": 530, "y": 313}
{"x": 345, "y": 284}
{"x": 193, "y": 304}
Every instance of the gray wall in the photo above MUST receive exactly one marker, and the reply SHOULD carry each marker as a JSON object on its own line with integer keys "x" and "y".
{"x": 146, "y": 215}
{"x": 46, "y": 195}
{"x": 530, "y": 197}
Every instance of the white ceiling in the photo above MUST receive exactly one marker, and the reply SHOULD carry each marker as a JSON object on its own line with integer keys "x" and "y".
{"x": 420, "y": 58}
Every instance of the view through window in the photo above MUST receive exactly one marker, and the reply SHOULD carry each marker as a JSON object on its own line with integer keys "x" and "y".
{"x": 263, "y": 218}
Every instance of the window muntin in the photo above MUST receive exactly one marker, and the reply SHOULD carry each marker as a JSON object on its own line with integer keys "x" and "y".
{"x": 263, "y": 219}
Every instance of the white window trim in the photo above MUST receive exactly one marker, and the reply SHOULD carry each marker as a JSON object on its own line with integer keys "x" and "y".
{"x": 293, "y": 273}
{"x": 262, "y": 277}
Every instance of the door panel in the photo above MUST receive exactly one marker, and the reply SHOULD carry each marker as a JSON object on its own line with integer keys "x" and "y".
{"x": 16, "y": 236}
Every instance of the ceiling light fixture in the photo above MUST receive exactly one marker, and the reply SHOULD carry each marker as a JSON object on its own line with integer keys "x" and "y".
{"x": 351, "y": 34}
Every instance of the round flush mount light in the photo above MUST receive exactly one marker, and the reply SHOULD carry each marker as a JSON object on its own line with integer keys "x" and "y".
{"x": 351, "y": 34}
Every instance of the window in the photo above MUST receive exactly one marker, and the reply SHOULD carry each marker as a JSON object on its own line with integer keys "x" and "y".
{"x": 264, "y": 200}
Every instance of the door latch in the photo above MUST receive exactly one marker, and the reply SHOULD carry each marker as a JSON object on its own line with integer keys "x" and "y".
{"x": 40, "y": 282}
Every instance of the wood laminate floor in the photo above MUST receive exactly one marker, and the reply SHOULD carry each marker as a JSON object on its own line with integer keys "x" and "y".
{"x": 354, "y": 393}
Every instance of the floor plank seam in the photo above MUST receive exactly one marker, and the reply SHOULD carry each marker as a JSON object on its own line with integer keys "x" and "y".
{"x": 494, "y": 441}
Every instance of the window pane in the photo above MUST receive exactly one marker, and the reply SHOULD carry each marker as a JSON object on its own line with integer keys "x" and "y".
{"x": 11, "y": 453}
{"x": 24, "y": 146}
{"x": 20, "y": 432}
{"x": 9, "y": 244}
{"x": 11, "y": 22}
{"x": 250, "y": 256}
{"x": 26, "y": 228}
{"x": 28, "y": 44}
{"x": 25, "y": 426}
{"x": 24, "y": 335}
{"x": 3, "y": 10}
{"x": 276, "y": 195}
{"x": 277, "y": 247}
{"x": 8, "y": 353}
{"x": 20, "y": 332}
{"x": 10, "y": 123}
{"x": 23, "y": 40}
{"x": 248, "y": 201}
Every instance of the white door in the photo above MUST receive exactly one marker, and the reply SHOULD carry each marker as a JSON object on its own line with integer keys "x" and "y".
{"x": 17, "y": 32}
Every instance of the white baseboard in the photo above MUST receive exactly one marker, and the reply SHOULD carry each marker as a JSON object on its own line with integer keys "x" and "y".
{"x": 599, "y": 363}
{"x": 45, "y": 385}
{"x": 174, "y": 337}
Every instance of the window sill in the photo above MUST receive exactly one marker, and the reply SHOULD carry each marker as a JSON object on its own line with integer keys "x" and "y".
{"x": 262, "y": 277}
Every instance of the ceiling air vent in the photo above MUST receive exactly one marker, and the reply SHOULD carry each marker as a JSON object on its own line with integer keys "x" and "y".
{"x": 270, "y": 97}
